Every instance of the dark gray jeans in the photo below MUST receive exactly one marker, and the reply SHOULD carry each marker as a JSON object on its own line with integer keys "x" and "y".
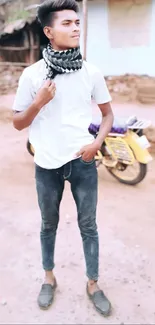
{"x": 50, "y": 185}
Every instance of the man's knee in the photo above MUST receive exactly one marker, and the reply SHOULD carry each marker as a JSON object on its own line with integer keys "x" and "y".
{"x": 50, "y": 225}
{"x": 87, "y": 225}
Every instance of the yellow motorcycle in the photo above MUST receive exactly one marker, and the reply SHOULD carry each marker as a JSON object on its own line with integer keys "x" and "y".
{"x": 124, "y": 152}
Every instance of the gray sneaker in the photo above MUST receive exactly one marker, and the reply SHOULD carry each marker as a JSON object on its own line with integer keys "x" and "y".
{"x": 46, "y": 295}
{"x": 100, "y": 302}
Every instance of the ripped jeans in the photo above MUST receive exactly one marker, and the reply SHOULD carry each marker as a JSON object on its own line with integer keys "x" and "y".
{"x": 50, "y": 185}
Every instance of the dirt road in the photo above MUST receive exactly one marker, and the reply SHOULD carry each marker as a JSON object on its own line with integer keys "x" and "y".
{"x": 126, "y": 220}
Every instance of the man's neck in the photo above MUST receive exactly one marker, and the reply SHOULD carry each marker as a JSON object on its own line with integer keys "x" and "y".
{"x": 57, "y": 48}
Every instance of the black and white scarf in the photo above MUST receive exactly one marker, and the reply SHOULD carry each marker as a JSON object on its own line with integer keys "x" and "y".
{"x": 59, "y": 62}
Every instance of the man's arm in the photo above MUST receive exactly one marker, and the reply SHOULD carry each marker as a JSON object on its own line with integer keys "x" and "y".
{"x": 23, "y": 119}
{"x": 89, "y": 151}
{"x": 106, "y": 124}
{"x": 102, "y": 98}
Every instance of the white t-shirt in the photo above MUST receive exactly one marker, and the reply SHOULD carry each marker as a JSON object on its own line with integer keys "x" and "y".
{"x": 60, "y": 129}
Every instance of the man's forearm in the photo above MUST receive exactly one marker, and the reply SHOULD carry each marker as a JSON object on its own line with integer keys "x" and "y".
{"x": 22, "y": 120}
{"x": 105, "y": 128}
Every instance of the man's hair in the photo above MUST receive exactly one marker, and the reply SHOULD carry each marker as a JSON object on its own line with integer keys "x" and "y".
{"x": 47, "y": 10}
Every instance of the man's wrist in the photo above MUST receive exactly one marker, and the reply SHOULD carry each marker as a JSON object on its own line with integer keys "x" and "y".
{"x": 36, "y": 106}
{"x": 98, "y": 144}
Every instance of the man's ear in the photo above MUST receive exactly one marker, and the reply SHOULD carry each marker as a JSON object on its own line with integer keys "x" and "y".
{"x": 48, "y": 31}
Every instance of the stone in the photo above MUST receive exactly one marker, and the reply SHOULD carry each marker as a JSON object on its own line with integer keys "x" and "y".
{"x": 3, "y": 302}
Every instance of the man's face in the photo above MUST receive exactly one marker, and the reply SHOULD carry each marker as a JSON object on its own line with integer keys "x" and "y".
{"x": 65, "y": 31}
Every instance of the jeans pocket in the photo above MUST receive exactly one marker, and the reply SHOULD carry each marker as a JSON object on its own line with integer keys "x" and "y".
{"x": 87, "y": 162}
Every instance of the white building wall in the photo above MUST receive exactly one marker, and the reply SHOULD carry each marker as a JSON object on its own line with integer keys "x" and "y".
{"x": 116, "y": 61}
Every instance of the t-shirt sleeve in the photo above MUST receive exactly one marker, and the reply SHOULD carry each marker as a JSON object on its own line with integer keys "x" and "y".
{"x": 23, "y": 97}
{"x": 100, "y": 92}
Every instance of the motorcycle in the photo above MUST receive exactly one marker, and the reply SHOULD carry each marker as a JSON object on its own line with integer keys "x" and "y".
{"x": 124, "y": 152}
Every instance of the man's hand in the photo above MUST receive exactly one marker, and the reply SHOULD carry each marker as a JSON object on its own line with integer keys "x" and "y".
{"x": 45, "y": 94}
{"x": 88, "y": 152}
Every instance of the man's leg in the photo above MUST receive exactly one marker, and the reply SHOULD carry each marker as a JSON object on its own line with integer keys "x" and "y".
{"x": 50, "y": 185}
{"x": 84, "y": 184}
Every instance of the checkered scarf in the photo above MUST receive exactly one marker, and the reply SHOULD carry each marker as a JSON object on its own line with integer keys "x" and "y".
{"x": 59, "y": 62}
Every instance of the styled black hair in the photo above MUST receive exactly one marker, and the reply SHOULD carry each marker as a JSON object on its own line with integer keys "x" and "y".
{"x": 47, "y": 10}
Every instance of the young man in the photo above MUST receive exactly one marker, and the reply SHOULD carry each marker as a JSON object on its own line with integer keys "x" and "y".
{"x": 54, "y": 100}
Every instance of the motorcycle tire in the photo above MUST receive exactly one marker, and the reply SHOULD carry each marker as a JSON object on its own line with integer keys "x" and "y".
{"x": 29, "y": 148}
{"x": 137, "y": 180}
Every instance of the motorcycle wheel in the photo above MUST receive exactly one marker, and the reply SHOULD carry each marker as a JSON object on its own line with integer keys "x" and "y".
{"x": 30, "y": 148}
{"x": 120, "y": 168}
